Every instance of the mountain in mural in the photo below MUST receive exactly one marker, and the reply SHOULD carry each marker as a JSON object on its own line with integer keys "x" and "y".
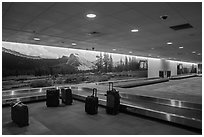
{"x": 80, "y": 62}
{"x": 15, "y": 63}
{"x": 19, "y": 54}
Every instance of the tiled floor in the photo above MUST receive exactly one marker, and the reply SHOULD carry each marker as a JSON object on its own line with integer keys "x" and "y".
{"x": 189, "y": 89}
{"x": 72, "y": 120}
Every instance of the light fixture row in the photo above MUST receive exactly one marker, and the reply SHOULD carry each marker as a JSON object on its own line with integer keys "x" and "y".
{"x": 194, "y": 52}
{"x": 181, "y": 47}
{"x": 92, "y": 16}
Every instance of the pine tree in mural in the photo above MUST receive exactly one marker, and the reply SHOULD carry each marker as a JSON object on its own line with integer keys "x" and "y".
{"x": 126, "y": 68}
{"x": 130, "y": 63}
{"x": 99, "y": 63}
{"x": 110, "y": 64}
{"x": 120, "y": 67}
{"x": 105, "y": 62}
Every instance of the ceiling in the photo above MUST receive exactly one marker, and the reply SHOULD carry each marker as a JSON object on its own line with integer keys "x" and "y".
{"x": 60, "y": 24}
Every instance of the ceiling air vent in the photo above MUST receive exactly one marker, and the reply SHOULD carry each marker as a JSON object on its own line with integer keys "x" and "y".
{"x": 182, "y": 26}
{"x": 94, "y": 33}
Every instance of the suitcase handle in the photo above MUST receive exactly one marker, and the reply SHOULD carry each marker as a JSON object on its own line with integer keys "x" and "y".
{"x": 110, "y": 85}
{"x": 94, "y": 92}
{"x": 16, "y": 103}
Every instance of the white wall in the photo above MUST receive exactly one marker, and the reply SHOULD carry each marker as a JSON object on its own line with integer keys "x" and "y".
{"x": 156, "y": 65}
{"x": 173, "y": 68}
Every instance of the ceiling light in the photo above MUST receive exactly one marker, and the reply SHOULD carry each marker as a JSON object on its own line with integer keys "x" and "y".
{"x": 74, "y": 44}
{"x": 198, "y": 54}
{"x": 193, "y": 52}
{"x": 114, "y": 49}
{"x": 134, "y": 30}
{"x": 169, "y": 43}
{"x": 150, "y": 55}
{"x": 181, "y": 47}
{"x": 130, "y": 52}
{"x": 36, "y": 39}
{"x": 91, "y": 15}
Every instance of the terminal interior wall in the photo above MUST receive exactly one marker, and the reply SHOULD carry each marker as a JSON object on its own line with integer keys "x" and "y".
{"x": 156, "y": 65}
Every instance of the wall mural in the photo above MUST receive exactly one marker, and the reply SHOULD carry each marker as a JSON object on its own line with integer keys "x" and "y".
{"x": 183, "y": 69}
{"x": 25, "y": 59}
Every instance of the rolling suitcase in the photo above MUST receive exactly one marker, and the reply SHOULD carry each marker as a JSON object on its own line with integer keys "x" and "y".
{"x": 66, "y": 94}
{"x": 91, "y": 103}
{"x": 19, "y": 114}
{"x": 113, "y": 100}
{"x": 52, "y": 97}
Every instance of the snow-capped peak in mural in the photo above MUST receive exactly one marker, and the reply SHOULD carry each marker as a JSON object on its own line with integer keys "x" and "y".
{"x": 80, "y": 62}
{"x": 20, "y": 59}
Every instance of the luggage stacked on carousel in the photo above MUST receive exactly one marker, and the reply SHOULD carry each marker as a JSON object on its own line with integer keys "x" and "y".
{"x": 66, "y": 94}
{"x": 91, "y": 103}
{"x": 52, "y": 97}
{"x": 19, "y": 114}
{"x": 112, "y": 100}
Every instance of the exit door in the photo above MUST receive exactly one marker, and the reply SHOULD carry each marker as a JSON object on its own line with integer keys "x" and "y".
{"x": 168, "y": 74}
{"x": 161, "y": 74}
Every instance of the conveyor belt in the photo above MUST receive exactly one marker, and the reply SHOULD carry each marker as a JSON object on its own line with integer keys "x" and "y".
{"x": 140, "y": 83}
{"x": 175, "y": 111}
{"x": 183, "y": 76}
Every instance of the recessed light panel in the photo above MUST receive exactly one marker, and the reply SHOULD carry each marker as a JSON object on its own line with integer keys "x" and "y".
{"x": 169, "y": 43}
{"x": 74, "y": 44}
{"x": 134, "y": 30}
{"x": 130, "y": 51}
{"x": 91, "y": 15}
{"x": 193, "y": 52}
{"x": 181, "y": 47}
{"x": 36, "y": 39}
{"x": 114, "y": 49}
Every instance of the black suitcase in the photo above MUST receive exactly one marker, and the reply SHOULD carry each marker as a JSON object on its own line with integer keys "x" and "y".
{"x": 19, "y": 114}
{"x": 52, "y": 97}
{"x": 66, "y": 94}
{"x": 112, "y": 100}
{"x": 91, "y": 103}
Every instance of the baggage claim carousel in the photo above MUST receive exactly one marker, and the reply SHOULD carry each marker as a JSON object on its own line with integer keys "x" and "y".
{"x": 185, "y": 114}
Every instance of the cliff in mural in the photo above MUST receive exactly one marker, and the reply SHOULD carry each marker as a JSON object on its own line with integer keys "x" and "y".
{"x": 15, "y": 63}
{"x": 80, "y": 62}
